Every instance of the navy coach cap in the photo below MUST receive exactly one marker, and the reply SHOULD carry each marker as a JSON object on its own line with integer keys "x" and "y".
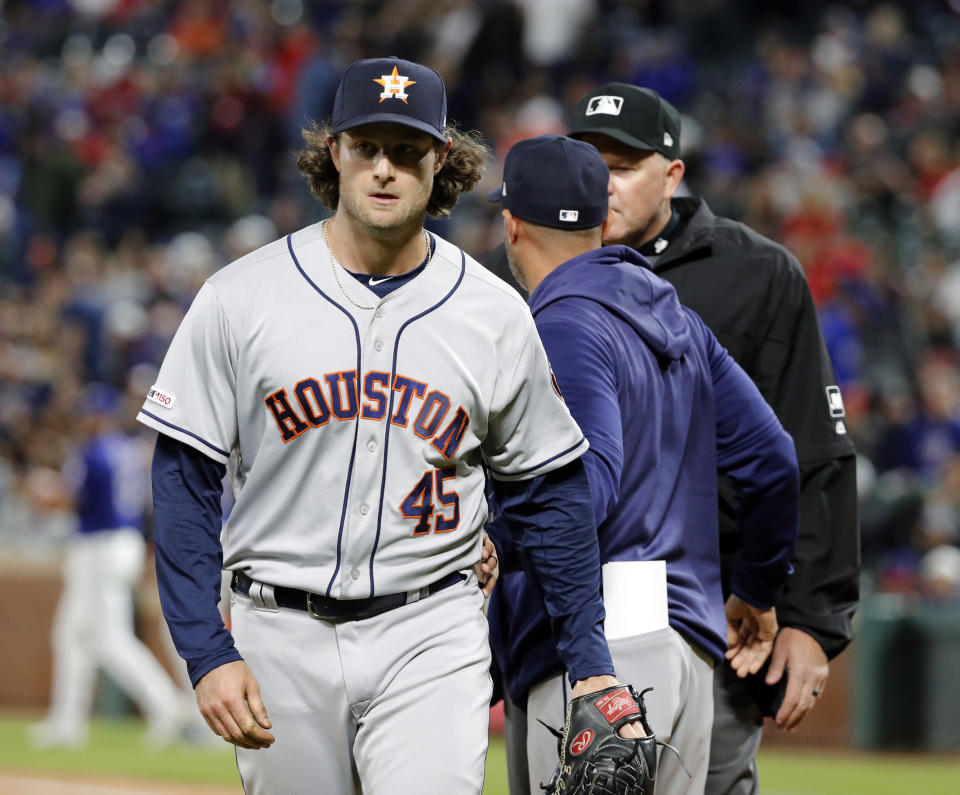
{"x": 391, "y": 90}
{"x": 635, "y": 116}
{"x": 555, "y": 181}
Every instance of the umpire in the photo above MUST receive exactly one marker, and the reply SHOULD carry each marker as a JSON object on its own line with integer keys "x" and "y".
{"x": 752, "y": 294}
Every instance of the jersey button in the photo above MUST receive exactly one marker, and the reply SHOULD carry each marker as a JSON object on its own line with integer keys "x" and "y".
{"x": 378, "y": 345}
{"x": 372, "y": 446}
{"x": 379, "y": 313}
{"x": 364, "y": 509}
{"x": 354, "y": 574}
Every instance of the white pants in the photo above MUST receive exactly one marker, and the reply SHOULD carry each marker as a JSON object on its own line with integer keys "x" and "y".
{"x": 399, "y": 702}
{"x": 93, "y": 627}
{"x": 680, "y": 708}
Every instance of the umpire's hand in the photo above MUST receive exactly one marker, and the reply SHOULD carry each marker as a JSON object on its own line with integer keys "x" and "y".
{"x": 229, "y": 700}
{"x": 801, "y": 659}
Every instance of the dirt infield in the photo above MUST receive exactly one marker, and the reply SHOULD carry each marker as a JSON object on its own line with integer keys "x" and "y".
{"x": 30, "y": 784}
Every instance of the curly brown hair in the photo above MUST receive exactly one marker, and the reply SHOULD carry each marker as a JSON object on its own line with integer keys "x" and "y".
{"x": 464, "y": 167}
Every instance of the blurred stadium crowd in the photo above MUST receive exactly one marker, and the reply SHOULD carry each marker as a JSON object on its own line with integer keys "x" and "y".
{"x": 144, "y": 144}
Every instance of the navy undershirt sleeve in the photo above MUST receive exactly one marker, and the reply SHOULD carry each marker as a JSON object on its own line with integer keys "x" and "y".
{"x": 187, "y": 515}
{"x": 550, "y": 518}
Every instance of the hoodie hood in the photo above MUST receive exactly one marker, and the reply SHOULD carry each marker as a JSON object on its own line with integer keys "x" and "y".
{"x": 620, "y": 279}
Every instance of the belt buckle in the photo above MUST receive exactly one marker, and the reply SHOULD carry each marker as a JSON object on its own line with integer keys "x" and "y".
{"x": 310, "y": 609}
{"x": 263, "y": 597}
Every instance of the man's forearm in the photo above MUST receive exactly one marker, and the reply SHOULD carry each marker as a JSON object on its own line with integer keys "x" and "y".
{"x": 186, "y": 499}
{"x": 822, "y": 593}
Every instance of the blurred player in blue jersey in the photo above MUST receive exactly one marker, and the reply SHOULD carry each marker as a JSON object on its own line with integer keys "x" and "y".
{"x": 106, "y": 483}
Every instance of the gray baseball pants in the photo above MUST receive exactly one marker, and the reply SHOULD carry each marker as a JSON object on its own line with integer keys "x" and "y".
{"x": 680, "y": 708}
{"x": 399, "y": 702}
{"x": 737, "y": 731}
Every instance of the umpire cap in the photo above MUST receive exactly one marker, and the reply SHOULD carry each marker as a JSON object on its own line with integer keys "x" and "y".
{"x": 637, "y": 117}
{"x": 391, "y": 90}
{"x": 555, "y": 181}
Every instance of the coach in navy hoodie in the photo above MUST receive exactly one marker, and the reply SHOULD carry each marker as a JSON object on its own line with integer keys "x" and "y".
{"x": 664, "y": 407}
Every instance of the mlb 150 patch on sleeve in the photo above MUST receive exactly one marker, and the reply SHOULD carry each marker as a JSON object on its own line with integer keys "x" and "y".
{"x": 161, "y": 397}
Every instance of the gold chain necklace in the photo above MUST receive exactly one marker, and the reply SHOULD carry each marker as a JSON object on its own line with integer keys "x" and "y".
{"x": 335, "y": 266}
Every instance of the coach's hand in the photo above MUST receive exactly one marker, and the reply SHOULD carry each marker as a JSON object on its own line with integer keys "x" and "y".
{"x": 801, "y": 658}
{"x": 594, "y": 684}
{"x": 229, "y": 700}
{"x": 750, "y": 634}
{"x": 488, "y": 569}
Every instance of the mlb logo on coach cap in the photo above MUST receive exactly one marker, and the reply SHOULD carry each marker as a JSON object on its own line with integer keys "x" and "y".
{"x": 555, "y": 181}
{"x": 391, "y": 90}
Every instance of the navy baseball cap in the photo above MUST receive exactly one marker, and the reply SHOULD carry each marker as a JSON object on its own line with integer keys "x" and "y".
{"x": 555, "y": 181}
{"x": 635, "y": 116}
{"x": 391, "y": 90}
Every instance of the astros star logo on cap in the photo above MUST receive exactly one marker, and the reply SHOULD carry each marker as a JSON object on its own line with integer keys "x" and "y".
{"x": 394, "y": 85}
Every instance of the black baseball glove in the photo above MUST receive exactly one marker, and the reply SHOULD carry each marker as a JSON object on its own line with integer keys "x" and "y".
{"x": 594, "y": 759}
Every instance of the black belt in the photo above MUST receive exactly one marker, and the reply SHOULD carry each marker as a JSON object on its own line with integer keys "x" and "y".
{"x": 320, "y": 606}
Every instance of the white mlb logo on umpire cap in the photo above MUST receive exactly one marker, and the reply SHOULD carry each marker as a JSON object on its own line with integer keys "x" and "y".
{"x": 570, "y": 216}
{"x": 605, "y": 103}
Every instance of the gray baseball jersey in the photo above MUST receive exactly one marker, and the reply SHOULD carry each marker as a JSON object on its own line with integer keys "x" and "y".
{"x": 357, "y": 429}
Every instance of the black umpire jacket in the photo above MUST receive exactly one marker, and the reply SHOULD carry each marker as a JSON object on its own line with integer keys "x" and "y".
{"x": 753, "y": 295}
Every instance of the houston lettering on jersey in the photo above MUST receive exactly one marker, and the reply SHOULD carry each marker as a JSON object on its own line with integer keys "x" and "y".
{"x": 315, "y": 401}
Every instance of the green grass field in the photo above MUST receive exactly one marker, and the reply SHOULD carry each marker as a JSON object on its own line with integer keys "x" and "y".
{"x": 116, "y": 750}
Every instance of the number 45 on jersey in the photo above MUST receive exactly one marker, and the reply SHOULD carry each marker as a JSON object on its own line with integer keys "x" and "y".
{"x": 420, "y": 503}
